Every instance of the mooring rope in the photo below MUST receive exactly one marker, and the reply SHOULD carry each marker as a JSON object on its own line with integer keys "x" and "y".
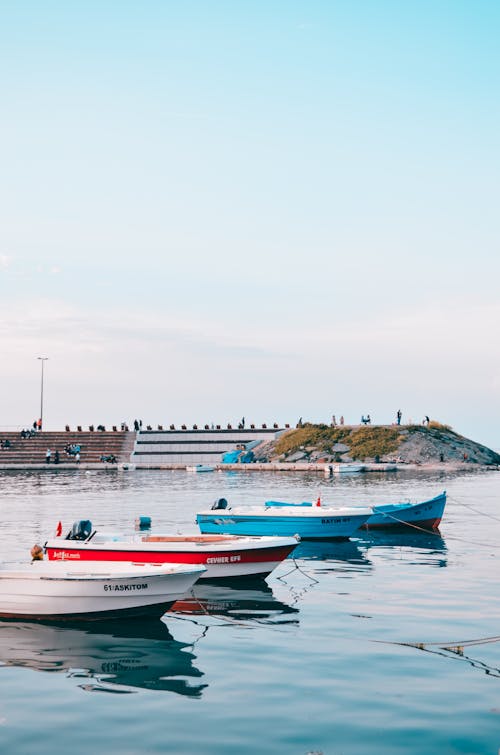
{"x": 443, "y": 645}
{"x": 437, "y": 533}
{"x": 476, "y": 511}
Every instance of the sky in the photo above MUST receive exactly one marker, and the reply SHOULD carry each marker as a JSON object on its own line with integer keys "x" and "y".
{"x": 263, "y": 209}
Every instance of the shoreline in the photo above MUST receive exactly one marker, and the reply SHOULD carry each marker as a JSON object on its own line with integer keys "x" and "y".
{"x": 386, "y": 468}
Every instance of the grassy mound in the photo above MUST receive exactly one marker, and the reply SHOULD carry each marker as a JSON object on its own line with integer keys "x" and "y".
{"x": 363, "y": 442}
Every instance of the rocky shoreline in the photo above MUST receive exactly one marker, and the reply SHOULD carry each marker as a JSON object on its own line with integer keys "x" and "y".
{"x": 412, "y": 445}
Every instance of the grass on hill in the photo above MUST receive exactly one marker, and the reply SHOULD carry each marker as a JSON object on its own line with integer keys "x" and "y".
{"x": 363, "y": 442}
{"x": 368, "y": 442}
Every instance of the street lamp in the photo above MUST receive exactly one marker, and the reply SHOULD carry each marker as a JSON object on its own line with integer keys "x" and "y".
{"x": 42, "y": 360}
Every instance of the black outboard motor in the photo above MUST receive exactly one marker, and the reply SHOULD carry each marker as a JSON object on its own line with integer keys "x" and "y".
{"x": 80, "y": 530}
{"x": 220, "y": 503}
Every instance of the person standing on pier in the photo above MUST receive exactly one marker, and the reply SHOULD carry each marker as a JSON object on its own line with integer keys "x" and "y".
{"x": 48, "y": 454}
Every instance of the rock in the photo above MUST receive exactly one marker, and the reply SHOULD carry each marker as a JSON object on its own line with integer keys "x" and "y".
{"x": 297, "y": 456}
{"x": 340, "y": 448}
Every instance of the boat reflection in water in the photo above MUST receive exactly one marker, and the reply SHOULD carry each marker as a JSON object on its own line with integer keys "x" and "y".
{"x": 424, "y": 548}
{"x": 250, "y": 600}
{"x": 111, "y": 656}
{"x": 344, "y": 556}
{"x": 356, "y": 555}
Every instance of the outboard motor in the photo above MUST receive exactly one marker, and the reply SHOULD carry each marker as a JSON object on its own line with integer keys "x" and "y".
{"x": 220, "y": 503}
{"x": 80, "y": 530}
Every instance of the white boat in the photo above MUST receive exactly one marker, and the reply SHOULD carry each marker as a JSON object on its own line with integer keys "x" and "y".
{"x": 62, "y": 590}
{"x": 331, "y": 469}
{"x": 223, "y": 556}
{"x": 200, "y": 468}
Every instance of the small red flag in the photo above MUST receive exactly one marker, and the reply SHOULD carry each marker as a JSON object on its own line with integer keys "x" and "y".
{"x": 59, "y": 529}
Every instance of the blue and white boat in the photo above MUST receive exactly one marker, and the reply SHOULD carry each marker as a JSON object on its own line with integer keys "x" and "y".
{"x": 307, "y": 521}
{"x": 425, "y": 515}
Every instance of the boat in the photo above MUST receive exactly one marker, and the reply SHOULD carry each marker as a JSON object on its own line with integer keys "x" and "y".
{"x": 200, "y": 468}
{"x": 274, "y": 518}
{"x": 425, "y": 515}
{"x": 62, "y": 590}
{"x": 331, "y": 469}
{"x": 223, "y": 556}
{"x": 109, "y": 656}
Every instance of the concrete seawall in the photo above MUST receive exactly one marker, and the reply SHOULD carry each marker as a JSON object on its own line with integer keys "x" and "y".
{"x": 319, "y": 469}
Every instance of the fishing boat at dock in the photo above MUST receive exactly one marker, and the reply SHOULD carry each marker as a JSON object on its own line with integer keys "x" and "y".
{"x": 223, "y": 556}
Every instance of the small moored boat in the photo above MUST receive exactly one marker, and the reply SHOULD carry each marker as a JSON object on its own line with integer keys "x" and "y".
{"x": 308, "y": 522}
{"x": 425, "y": 515}
{"x": 344, "y": 468}
{"x": 50, "y": 590}
{"x": 223, "y": 556}
{"x": 200, "y": 468}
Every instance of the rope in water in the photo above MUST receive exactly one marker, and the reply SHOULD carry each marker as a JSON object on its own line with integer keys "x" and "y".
{"x": 444, "y": 645}
{"x": 438, "y": 534}
{"x": 476, "y": 511}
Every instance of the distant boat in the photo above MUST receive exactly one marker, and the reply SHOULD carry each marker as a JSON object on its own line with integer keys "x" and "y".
{"x": 344, "y": 468}
{"x": 62, "y": 590}
{"x": 425, "y": 515}
{"x": 200, "y": 468}
{"x": 308, "y": 522}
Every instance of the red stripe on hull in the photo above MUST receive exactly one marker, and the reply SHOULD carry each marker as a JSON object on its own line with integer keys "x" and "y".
{"x": 425, "y": 524}
{"x": 209, "y": 558}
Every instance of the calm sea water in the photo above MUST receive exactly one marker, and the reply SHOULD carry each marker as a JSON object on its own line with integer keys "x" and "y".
{"x": 320, "y": 658}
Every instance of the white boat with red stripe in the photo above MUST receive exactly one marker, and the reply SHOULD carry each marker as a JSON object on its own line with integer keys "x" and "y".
{"x": 223, "y": 556}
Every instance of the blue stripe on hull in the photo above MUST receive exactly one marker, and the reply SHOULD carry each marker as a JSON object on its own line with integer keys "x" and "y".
{"x": 308, "y": 529}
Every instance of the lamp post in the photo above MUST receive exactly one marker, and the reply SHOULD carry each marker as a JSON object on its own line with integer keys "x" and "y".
{"x": 42, "y": 360}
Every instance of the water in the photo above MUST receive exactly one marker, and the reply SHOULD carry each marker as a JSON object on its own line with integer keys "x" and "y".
{"x": 313, "y": 660}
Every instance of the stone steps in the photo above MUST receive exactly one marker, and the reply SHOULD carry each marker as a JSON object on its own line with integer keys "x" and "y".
{"x": 30, "y": 451}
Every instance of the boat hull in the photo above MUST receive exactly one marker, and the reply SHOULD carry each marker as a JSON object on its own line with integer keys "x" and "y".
{"x": 425, "y": 515}
{"x": 318, "y": 526}
{"x": 62, "y": 591}
{"x": 224, "y": 559}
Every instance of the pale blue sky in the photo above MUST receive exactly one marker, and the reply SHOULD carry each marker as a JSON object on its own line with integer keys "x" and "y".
{"x": 210, "y": 210}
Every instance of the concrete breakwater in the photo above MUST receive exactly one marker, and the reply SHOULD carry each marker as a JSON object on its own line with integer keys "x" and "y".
{"x": 312, "y": 448}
